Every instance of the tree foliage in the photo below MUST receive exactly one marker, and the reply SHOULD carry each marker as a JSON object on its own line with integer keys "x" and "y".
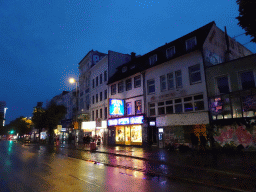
{"x": 20, "y": 125}
{"x": 247, "y": 17}
{"x": 49, "y": 118}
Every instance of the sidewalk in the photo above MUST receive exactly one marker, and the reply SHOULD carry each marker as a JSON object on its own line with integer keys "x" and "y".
{"x": 235, "y": 172}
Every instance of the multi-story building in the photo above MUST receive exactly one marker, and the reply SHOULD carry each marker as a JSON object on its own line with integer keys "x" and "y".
{"x": 174, "y": 85}
{"x": 232, "y": 100}
{"x": 3, "y": 109}
{"x": 96, "y": 93}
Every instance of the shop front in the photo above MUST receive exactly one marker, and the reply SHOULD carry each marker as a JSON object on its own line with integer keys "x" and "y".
{"x": 125, "y": 130}
{"x": 93, "y": 128}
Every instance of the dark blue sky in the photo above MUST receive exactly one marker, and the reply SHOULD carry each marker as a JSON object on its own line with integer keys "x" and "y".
{"x": 42, "y": 42}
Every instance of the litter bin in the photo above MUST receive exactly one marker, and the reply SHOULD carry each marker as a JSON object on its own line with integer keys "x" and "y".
{"x": 92, "y": 146}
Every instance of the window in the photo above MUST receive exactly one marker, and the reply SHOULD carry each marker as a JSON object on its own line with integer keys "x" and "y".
{"x": 128, "y": 108}
{"x": 152, "y": 109}
{"x": 100, "y": 96}
{"x": 161, "y": 108}
{"x": 97, "y": 98}
{"x": 151, "y": 86}
{"x": 169, "y": 107}
{"x": 105, "y": 76}
{"x": 93, "y": 115}
{"x": 113, "y": 89}
{"x": 106, "y": 112}
{"x": 222, "y": 85}
{"x": 124, "y": 69}
{"x": 152, "y": 59}
{"x": 138, "y": 108}
{"x": 137, "y": 81}
{"x": 97, "y": 81}
{"x": 199, "y": 102}
{"x": 170, "y": 81}
{"x": 170, "y": 52}
{"x": 188, "y": 104}
{"x": 100, "y": 78}
{"x": 128, "y": 84}
{"x": 93, "y": 99}
{"x": 97, "y": 114}
{"x": 178, "y": 106}
{"x": 247, "y": 80}
{"x": 100, "y": 113}
{"x": 162, "y": 83}
{"x": 191, "y": 43}
{"x": 93, "y": 83}
{"x": 121, "y": 87}
{"x": 105, "y": 94}
{"x": 194, "y": 74}
{"x": 178, "y": 78}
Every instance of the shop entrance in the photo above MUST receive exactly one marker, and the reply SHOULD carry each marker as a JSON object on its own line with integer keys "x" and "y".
{"x": 127, "y": 136}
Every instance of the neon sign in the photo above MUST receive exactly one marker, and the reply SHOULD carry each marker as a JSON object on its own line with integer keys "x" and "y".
{"x": 116, "y": 107}
{"x": 126, "y": 121}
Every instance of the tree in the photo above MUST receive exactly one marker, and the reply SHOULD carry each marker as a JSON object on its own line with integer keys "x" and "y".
{"x": 247, "y": 17}
{"x": 53, "y": 115}
{"x": 39, "y": 119}
{"x": 49, "y": 118}
{"x": 20, "y": 125}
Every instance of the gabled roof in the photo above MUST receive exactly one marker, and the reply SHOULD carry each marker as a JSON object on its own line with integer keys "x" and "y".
{"x": 142, "y": 63}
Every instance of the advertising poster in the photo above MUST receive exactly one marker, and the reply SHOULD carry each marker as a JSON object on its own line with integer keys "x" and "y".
{"x": 116, "y": 107}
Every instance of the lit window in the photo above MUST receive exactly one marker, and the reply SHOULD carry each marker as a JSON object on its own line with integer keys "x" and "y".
{"x": 170, "y": 52}
{"x": 191, "y": 43}
{"x": 194, "y": 74}
{"x": 138, "y": 108}
{"x": 128, "y": 108}
{"x": 152, "y": 59}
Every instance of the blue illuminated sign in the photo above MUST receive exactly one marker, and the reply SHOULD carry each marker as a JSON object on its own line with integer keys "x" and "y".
{"x": 126, "y": 121}
{"x": 116, "y": 107}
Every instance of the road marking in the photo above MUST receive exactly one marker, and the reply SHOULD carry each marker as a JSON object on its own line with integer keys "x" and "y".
{"x": 83, "y": 180}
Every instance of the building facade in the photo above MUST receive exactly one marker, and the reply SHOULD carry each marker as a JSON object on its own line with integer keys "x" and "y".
{"x": 3, "y": 109}
{"x": 174, "y": 92}
{"x": 232, "y": 101}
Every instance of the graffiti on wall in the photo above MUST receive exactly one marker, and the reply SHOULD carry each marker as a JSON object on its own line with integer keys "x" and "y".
{"x": 236, "y": 134}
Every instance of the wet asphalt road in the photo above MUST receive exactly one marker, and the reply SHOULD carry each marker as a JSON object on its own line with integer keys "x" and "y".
{"x": 44, "y": 168}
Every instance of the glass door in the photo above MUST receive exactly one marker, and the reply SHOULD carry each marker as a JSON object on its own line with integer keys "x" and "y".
{"x": 127, "y": 135}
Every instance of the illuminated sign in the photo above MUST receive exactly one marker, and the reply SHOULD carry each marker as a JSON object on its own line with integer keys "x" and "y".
{"x": 152, "y": 123}
{"x": 116, "y": 107}
{"x": 126, "y": 121}
{"x": 160, "y": 130}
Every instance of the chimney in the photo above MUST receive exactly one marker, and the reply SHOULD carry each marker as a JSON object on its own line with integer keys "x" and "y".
{"x": 133, "y": 55}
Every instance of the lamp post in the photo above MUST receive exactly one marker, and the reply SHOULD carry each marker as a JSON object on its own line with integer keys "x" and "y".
{"x": 72, "y": 80}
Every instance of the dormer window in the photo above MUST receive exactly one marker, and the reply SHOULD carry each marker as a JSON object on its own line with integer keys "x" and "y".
{"x": 152, "y": 59}
{"x": 191, "y": 43}
{"x": 124, "y": 69}
{"x": 170, "y": 52}
{"x": 132, "y": 66}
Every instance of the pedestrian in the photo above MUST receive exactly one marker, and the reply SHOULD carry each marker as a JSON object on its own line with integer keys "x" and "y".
{"x": 84, "y": 140}
{"x": 194, "y": 141}
{"x": 202, "y": 142}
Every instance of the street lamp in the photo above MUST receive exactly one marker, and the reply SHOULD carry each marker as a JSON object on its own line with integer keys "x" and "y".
{"x": 72, "y": 80}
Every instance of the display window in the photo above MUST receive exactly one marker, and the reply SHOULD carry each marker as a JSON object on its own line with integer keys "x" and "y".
{"x": 129, "y": 135}
{"x": 120, "y": 134}
{"x": 136, "y": 134}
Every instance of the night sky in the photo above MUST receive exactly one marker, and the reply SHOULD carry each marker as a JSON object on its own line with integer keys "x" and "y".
{"x": 42, "y": 42}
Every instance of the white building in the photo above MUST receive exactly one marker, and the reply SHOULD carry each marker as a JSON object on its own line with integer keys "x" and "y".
{"x": 174, "y": 87}
{"x": 95, "y": 99}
